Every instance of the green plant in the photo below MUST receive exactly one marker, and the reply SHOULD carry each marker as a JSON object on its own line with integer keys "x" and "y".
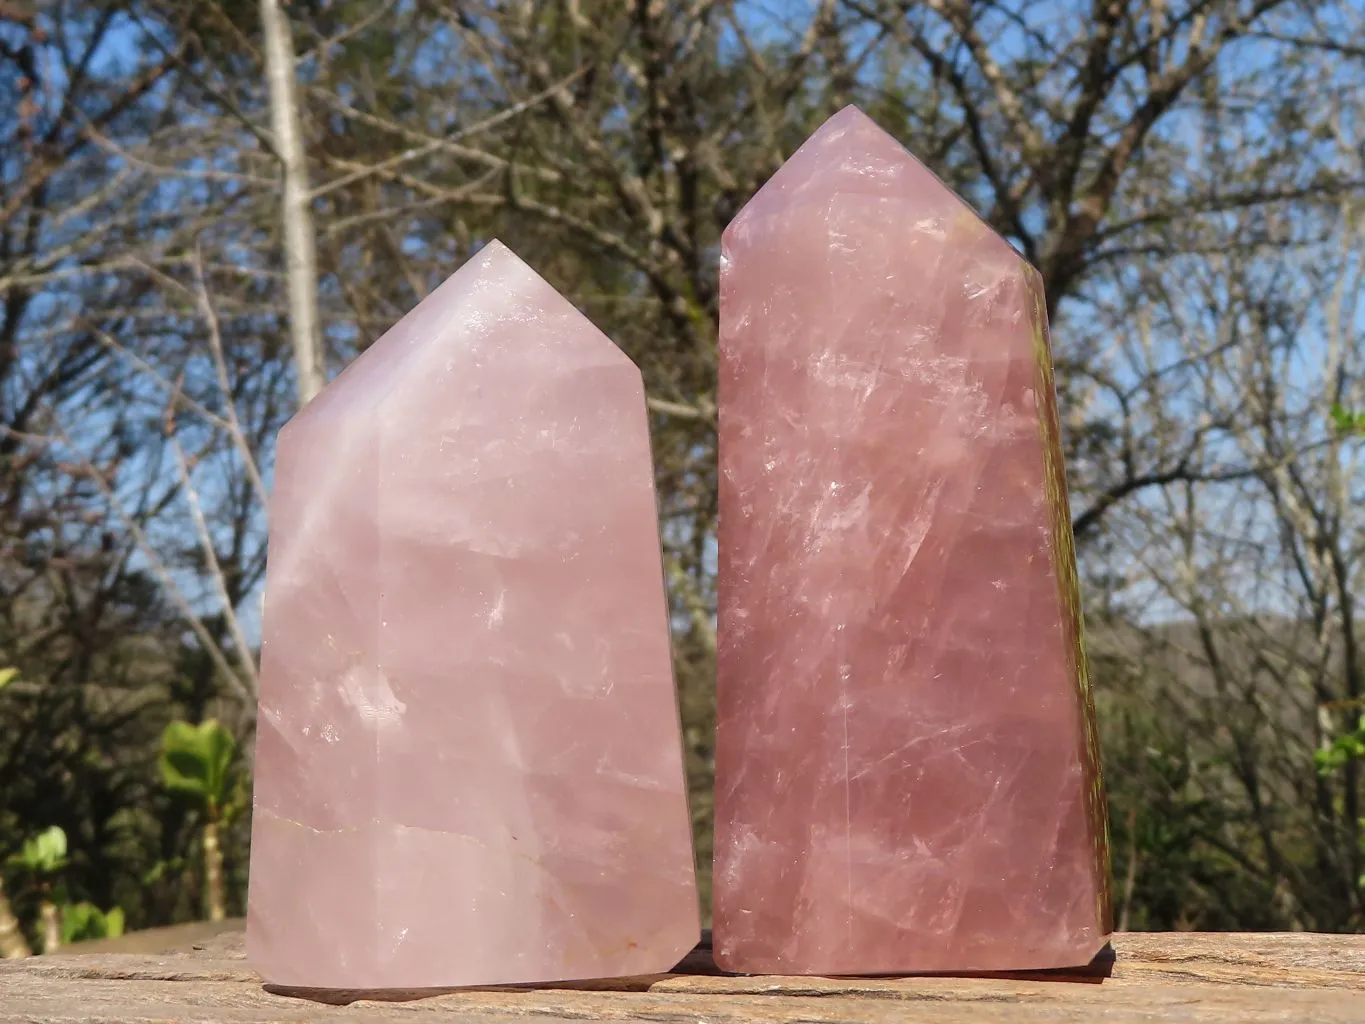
{"x": 42, "y": 857}
{"x": 162, "y": 868}
{"x": 1345, "y": 747}
{"x": 197, "y": 764}
{"x": 1347, "y": 421}
{"x": 7, "y": 676}
{"x": 1348, "y": 746}
{"x": 44, "y": 854}
{"x": 83, "y": 921}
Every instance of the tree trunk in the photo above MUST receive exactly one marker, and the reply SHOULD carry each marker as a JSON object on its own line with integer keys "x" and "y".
{"x": 52, "y": 926}
{"x": 12, "y": 942}
{"x": 213, "y": 873}
{"x": 300, "y": 239}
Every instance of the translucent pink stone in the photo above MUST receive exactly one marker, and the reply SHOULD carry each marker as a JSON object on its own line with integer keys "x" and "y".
{"x": 906, "y": 771}
{"x": 468, "y": 761}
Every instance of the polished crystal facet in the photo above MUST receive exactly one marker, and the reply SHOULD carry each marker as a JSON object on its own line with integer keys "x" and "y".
{"x": 468, "y": 761}
{"x": 906, "y": 769}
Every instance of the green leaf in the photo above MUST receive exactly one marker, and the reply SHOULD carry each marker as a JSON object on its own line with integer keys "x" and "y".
{"x": 196, "y": 761}
{"x": 162, "y": 868}
{"x": 1347, "y": 422}
{"x": 7, "y": 676}
{"x": 184, "y": 771}
{"x": 45, "y": 853}
{"x": 83, "y": 921}
{"x": 76, "y": 921}
{"x": 1346, "y": 747}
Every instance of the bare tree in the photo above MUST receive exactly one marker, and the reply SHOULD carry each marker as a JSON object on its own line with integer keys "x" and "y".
{"x": 1244, "y": 586}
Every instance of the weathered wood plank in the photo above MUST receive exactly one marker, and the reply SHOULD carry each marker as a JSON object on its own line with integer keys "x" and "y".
{"x": 1193, "y": 978}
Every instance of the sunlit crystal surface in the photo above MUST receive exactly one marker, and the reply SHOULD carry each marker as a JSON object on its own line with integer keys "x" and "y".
{"x": 906, "y": 771}
{"x": 468, "y": 762}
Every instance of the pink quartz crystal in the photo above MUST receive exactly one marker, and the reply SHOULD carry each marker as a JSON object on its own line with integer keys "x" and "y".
{"x": 468, "y": 762}
{"x": 906, "y": 768}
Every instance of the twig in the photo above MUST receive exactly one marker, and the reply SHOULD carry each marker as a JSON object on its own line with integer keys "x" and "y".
{"x": 215, "y": 569}
{"x": 234, "y": 425}
{"x": 436, "y": 145}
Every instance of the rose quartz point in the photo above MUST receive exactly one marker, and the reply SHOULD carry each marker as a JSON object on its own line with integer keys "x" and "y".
{"x": 468, "y": 761}
{"x": 906, "y": 771}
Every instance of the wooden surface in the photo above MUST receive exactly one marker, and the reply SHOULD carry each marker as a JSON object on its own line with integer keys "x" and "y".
{"x": 1152, "y": 977}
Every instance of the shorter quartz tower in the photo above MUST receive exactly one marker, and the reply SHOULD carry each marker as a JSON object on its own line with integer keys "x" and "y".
{"x": 468, "y": 761}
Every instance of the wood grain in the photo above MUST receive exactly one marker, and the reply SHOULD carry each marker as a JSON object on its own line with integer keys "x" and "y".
{"x": 1181, "y": 977}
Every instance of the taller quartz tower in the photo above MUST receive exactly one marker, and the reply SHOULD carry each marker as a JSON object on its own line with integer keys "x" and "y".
{"x": 468, "y": 761}
{"x": 907, "y": 776}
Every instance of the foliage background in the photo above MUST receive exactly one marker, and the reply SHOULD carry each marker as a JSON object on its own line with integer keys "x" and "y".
{"x": 1187, "y": 175}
